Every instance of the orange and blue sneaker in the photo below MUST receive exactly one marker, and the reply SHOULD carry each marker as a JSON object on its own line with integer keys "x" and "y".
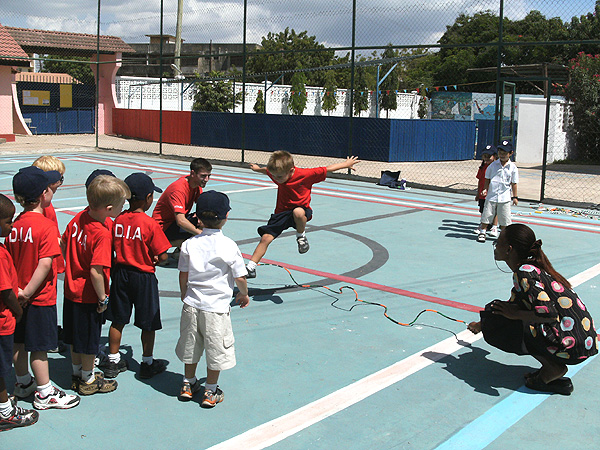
{"x": 188, "y": 390}
{"x": 212, "y": 398}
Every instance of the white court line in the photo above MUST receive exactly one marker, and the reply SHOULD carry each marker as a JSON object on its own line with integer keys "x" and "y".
{"x": 278, "y": 429}
{"x": 282, "y": 427}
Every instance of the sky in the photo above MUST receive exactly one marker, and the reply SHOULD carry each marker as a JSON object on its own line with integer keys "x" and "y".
{"x": 379, "y": 22}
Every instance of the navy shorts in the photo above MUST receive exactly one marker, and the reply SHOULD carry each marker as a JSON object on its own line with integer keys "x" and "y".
{"x": 6, "y": 355}
{"x": 175, "y": 233}
{"x": 282, "y": 221}
{"x": 131, "y": 287}
{"x": 38, "y": 329}
{"x": 81, "y": 326}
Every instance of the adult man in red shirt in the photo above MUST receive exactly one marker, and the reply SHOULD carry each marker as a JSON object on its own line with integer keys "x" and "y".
{"x": 172, "y": 211}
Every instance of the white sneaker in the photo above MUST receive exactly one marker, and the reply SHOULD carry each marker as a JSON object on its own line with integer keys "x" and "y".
{"x": 481, "y": 237}
{"x": 57, "y": 399}
{"x": 477, "y": 230}
{"x": 494, "y": 232}
{"x": 25, "y": 390}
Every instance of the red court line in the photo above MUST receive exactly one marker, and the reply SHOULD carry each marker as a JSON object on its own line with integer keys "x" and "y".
{"x": 379, "y": 287}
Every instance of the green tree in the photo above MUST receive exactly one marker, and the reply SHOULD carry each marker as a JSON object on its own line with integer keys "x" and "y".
{"x": 289, "y": 50}
{"x": 259, "y": 106}
{"x": 214, "y": 94}
{"x": 81, "y": 71}
{"x": 388, "y": 97}
{"x": 361, "y": 92}
{"x": 297, "y": 102}
{"x": 330, "y": 101}
{"x": 583, "y": 90}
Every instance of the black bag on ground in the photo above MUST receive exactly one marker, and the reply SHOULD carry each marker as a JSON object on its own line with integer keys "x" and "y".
{"x": 390, "y": 179}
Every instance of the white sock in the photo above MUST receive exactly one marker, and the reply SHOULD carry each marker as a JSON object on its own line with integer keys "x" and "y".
{"x": 190, "y": 380}
{"x": 6, "y": 409}
{"x": 251, "y": 265}
{"x": 45, "y": 390}
{"x": 303, "y": 234}
{"x": 87, "y": 376}
{"x": 24, "y": 379}
{"x": 76, "y": 369}
{"x": 114, "y": 357}
{"x": 147, "y": 360}
{"x": 210, "y": 387}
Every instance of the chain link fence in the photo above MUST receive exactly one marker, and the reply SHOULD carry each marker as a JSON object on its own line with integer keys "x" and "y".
{"x": 410, "y": 86}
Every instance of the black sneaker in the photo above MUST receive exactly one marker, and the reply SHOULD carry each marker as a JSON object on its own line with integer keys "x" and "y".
{"x": 302, "y": 244}
{"x": 111, "y": 369}
{"x": 149, "y": 370}
{"x": 19, "y": 417}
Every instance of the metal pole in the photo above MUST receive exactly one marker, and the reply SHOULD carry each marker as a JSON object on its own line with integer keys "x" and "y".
{"x": 545, "y": 156}
{"x": 98, "y": 74}
{"x": 352, "y": 68}
{"x": 499, "y": 73}
{"x": 160, "y": 65}
{"x": 244, "y": 84}
{"x": 178, "y": 35}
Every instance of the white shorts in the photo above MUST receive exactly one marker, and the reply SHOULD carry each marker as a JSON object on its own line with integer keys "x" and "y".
{"x": 492, "y": 209}
{"x": 201, "y": 331}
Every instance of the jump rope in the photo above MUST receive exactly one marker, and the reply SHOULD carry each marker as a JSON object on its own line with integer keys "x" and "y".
{"x": 335, "y": 292}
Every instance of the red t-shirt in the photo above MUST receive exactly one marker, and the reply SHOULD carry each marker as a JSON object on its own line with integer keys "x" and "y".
{"x": 481, "y": 177}
{"x": 32, "y": 238}
{"x": 8, "y": 280}
{"x": 137, "y": 238}
{"x": 296, "y": 191}
{"x": 88, "y": 243}
{"x": 178, "y": 197}
{"x": 50, "y": 213}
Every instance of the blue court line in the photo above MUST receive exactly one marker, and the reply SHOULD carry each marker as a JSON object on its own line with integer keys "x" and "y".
{"x": 487, "y": 428}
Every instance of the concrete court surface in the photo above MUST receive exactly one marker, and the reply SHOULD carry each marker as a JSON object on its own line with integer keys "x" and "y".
{"x": 315, "y": 369}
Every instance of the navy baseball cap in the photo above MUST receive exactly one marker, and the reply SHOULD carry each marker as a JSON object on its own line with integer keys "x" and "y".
{"x": 140, "y": 185}
{"x": 213, "y": 201}
{"x": 31, "y": 182}
{"x": 95, "y": 173}
{"x": 506, "y": 146}
{"x": 489, "y": 150}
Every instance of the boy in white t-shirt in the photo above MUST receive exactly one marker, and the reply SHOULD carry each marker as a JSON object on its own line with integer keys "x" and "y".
{"x": 500, "y": 190}
{"x": 209, "y": 265}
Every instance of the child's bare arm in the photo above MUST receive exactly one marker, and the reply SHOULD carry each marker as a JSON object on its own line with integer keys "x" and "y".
{"x": 515, "y": 197}
{"x": 242, "y": 297}
{"x": 348, "y": 164}
{"x": 97, "y": 279}
{"x": 10, "y": 300}
{"x": 158, "y": 259}
{"x": 183, "y": 281}
{"x": 39, "y": 275}
{"x": 257, "y": 168}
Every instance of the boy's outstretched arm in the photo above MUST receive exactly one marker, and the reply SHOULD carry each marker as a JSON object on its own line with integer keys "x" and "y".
{"x": 257, "y": 168}
{"x": 348, "y": 164}
{"x": 242, "y": 297}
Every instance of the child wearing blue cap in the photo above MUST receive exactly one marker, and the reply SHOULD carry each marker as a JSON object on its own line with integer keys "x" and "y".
{"x": 500, "y": 190}
{"x": 33, "y": 245}
{"x": 139, "y": 244}
{"x": 209, "y": 265}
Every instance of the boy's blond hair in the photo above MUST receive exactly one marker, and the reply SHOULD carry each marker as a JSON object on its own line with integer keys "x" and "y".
{"x": 280, "y": 162}
{"x": 49, "y": 162}
{"x": 106, "y": 191}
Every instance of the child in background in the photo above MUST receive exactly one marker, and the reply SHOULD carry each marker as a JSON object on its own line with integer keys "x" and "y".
{"x": 48, "y": 163}
{"x": 87, "y": 245}
{"x": 488, "y": 155}
{"x": 139, "y": 243}
{"x": 500, "y": 190}
{"x": 209, "y": 265}
{"x": 33, "y": 246}
{"x": 11, "y": 415}
{"x": 292, "y": 210}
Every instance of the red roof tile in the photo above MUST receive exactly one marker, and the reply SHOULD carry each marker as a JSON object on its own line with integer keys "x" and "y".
{"x": 42, "y": 41}
{"x": 8, "y": 48}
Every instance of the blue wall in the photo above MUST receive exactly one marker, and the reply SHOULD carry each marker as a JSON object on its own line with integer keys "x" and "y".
{"x": 392, "y": 140}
